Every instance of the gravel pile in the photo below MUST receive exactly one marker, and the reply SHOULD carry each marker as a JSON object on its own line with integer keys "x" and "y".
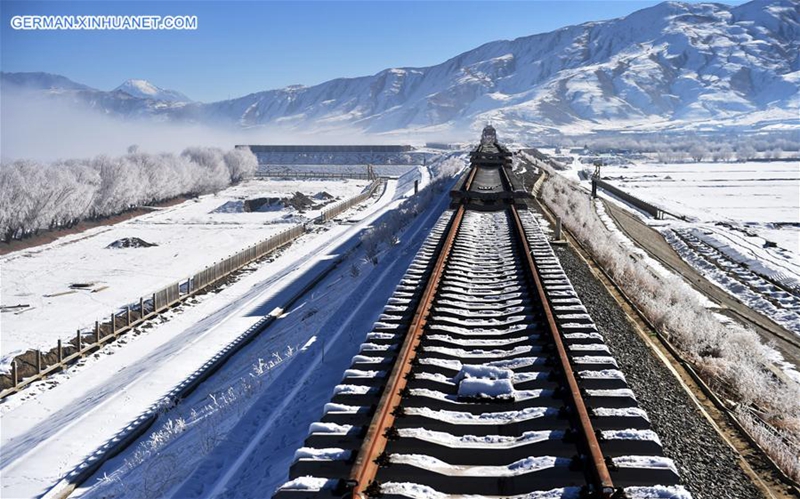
{"x": 130, "y": 242}
{"x": 706, "y": 464}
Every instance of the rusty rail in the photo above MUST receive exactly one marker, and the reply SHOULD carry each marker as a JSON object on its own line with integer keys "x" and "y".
{"x": 366, "y": 464}
{"x": 367, "y": 461}
{"x": 600, "y": 471}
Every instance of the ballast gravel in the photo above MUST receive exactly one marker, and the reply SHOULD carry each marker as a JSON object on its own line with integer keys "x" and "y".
{"x": 707, "y": 466}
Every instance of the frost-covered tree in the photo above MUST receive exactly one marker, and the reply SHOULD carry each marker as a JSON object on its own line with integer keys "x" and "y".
{"x": 216, "y": 175}
{"x": 35, "y": 196}
{"x": 745, "y": 152}
{"x": 698, "y": 152}
{"x": 724, "y": 153}
{"x": 241, "y": 164}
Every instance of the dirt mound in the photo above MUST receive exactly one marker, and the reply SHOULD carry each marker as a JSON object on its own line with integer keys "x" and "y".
{"x": 230, "y": 207}
{"x": 323, "y": 196}
{"x": 130, "y": 242}
{"x": 263, "y": 204}
{"x": 299, "y": 201}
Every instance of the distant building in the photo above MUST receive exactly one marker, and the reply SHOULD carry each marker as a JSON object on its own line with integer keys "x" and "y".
{"x": 367, "y": 149}
{"x": 336, "y": 154}
{"x": 441, "y": 145}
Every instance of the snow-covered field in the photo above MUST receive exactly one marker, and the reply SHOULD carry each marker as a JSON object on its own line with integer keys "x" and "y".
{"x": 189, "y": 236}
{"x": 734, "y": 214}
{"x": 759, "y": 198}
{"x": 237, "y": 435}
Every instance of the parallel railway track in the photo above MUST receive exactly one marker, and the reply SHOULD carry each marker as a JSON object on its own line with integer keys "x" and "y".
{"x": 485, "y": 376}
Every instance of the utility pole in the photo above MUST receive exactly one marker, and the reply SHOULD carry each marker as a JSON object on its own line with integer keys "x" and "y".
{"x": 595, "y": 178}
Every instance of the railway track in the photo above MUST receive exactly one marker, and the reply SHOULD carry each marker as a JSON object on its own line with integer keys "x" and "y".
{"x": 485, "y": 376}
{"x": 710, "y": 257}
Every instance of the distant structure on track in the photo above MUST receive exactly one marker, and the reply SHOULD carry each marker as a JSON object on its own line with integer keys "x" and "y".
{"x": 489, "y": 136}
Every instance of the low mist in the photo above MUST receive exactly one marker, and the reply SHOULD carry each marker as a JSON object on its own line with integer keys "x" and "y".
{"x": 48, "y": 128}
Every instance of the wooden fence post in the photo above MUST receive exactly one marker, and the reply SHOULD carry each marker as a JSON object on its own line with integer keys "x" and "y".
{"x": 128, "y": 314}
{"x": 113, "y": 323}
{"x": 60, "y": 352}
{"x": 80, "y": 341}
{"x": 14, "y": 373}
{"x": 38, "y": 362}
{"x": 97, "y": 332}
{"x": 141, "y": 307}
{"x": 155, "y": 307}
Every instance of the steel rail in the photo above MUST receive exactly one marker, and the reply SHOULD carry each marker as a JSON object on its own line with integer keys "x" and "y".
{"x": 366, "y": 466}
{"x": 600, "y": 471}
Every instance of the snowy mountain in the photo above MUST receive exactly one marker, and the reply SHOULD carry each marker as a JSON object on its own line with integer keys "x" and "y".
{"x": 146, "y": 90}
{"x": 41, "y": 81}
{"x": 671, "y": 66}
{"x": 659, "y": 67}
{"x": 42, "y": 88}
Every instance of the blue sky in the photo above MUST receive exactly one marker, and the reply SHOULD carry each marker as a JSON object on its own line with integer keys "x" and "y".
{"x": 247, "y": 46}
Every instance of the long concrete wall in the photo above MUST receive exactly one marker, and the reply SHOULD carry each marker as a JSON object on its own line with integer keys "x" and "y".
{"x": 648, "y": 208}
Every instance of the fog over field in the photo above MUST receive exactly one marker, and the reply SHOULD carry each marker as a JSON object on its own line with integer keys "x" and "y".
{"x": 50, "y": 129}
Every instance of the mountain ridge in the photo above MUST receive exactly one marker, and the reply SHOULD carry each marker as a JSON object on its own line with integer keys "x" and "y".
{"x": 670, "y": 66}
{"x": 147, "y": 90}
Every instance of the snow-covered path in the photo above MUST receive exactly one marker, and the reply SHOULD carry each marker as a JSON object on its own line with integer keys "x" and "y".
{"x": 255, "y": 465}
{"x": 42, "y": 444}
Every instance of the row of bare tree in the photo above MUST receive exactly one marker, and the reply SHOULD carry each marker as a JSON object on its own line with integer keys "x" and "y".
{"x": 681, "y": 148}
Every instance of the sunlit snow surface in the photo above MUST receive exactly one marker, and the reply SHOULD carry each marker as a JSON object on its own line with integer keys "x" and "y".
{"x": 732, "y": 210}
{"x": 35, "y": 455}
{"x": 189, "y": 236}
{"x": 752, "y": 195}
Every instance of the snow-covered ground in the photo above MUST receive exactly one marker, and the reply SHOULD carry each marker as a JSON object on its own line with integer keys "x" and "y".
{"x": 655, "y": 266}
{"x": 740, "y": 225}
{"x": 748, "y": 286}
{"x": 189, "y": 236}
{"x": 754, "y": 197}
{"x": 731, "y": 211}
{"x": 239, "y": 432}
{"x": 100, "y": 398}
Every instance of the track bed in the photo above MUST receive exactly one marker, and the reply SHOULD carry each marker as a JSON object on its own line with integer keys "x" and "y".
{"x": 485, "y": 376}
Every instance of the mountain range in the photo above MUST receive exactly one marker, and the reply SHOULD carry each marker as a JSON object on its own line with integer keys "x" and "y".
{"x": 673, "y": 66}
